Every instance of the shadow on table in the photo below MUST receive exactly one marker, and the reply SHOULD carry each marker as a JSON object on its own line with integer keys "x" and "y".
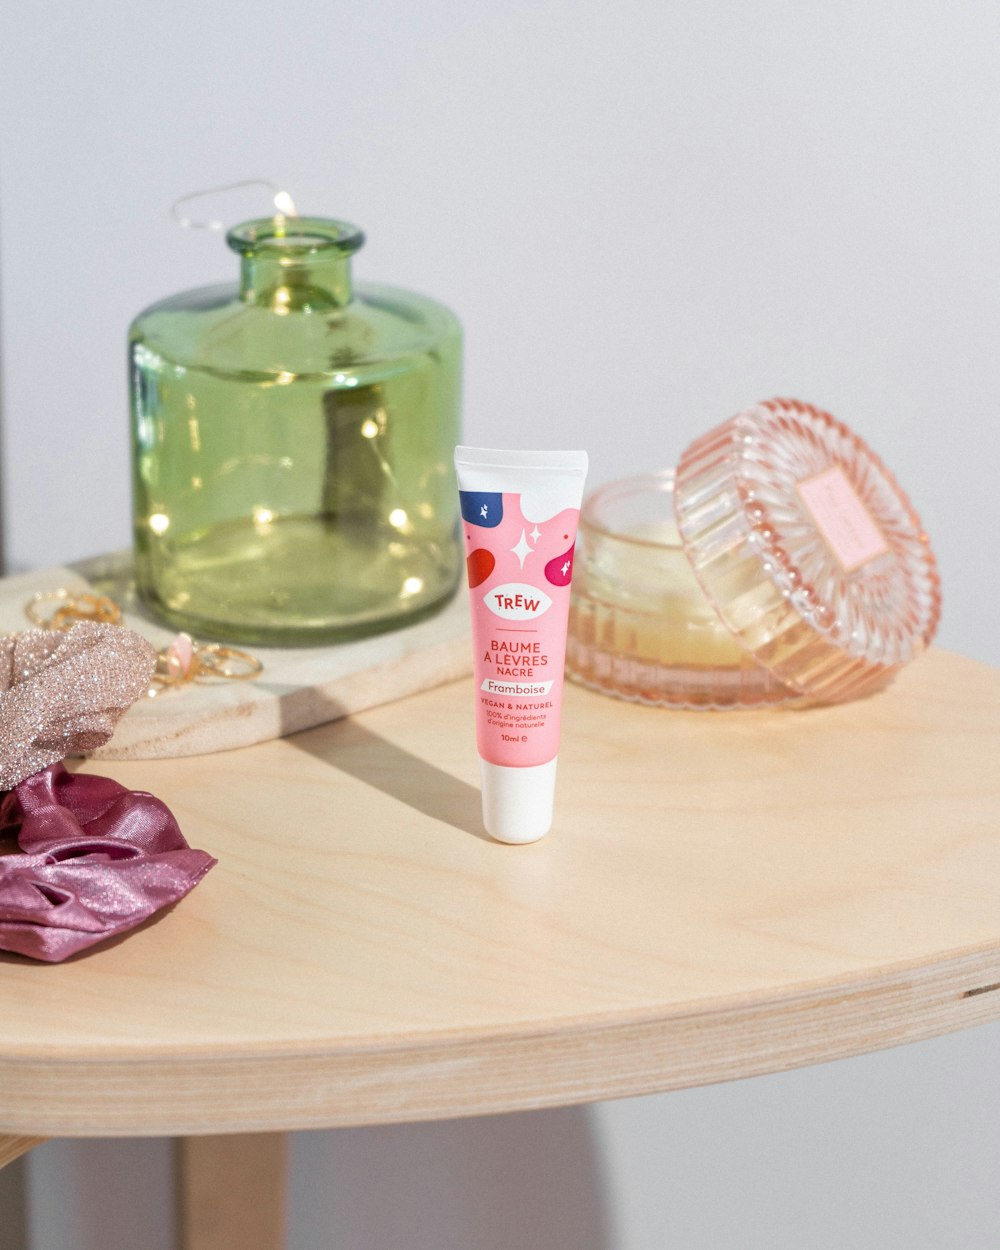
{"x": 350, "y": 747}
{"x": 530, "y": 1179}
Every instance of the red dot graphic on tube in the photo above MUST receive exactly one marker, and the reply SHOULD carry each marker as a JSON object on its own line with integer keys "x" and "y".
{"x": 481, "y": 564}
{"x": 560, "y": 570}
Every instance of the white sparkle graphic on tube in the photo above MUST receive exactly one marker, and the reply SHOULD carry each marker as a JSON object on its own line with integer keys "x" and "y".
{"x": 521, "y": 548}
{"x": 483, "y": 511}
{"x": 536, "y": 534}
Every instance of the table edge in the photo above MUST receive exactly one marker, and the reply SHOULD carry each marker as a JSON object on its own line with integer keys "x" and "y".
{"x": 453, "y": 1076}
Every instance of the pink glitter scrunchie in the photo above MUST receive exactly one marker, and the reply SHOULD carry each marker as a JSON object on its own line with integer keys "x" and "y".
{"x": 98, "y": 858}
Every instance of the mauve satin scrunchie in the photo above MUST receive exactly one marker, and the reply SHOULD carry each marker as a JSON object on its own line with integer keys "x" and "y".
{"x": 99, "y": 859}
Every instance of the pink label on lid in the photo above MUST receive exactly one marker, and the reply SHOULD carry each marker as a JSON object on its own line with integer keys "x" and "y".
{"x": 843, "y": 520}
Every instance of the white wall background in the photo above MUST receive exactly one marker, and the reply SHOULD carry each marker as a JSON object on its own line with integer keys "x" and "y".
{"x": 648, "y": 214}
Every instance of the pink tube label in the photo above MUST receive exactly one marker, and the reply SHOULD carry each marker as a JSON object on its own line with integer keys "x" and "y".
{"x": 520, "y": 569}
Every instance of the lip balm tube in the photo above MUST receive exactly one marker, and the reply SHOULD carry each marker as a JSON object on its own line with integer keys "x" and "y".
{"x": 519, "y": 515}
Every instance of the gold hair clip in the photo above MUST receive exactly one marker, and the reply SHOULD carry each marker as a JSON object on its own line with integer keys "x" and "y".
{"x": 180, "y": 662}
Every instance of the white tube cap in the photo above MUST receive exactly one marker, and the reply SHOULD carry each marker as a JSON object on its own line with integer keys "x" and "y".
{"x": 517, "y": 802}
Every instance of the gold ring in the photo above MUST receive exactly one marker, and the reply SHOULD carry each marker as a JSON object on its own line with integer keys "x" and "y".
{"x": 81, "y": 605}
{"x": 185, "y": 660}
{"x": 218, "y": 660}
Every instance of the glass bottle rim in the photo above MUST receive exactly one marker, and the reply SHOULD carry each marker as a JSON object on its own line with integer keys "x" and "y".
{"x": 295, "y": 237}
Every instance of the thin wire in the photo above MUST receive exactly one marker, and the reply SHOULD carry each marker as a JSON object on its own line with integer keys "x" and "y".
{"x": 283, "y": 203}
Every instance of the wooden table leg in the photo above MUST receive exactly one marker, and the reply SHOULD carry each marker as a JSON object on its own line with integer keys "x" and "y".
{"x": 231, "y": 1191}
{"x": 12, "y": 1148}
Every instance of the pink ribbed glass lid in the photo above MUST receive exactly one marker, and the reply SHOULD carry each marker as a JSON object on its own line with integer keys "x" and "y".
{"x": 809, "y": 550}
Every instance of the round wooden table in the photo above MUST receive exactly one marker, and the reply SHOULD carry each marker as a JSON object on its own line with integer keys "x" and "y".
{"x": 721, "y": 895}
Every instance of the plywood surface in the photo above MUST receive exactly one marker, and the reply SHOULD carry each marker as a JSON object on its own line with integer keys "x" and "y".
{"x": 721, "y": 895}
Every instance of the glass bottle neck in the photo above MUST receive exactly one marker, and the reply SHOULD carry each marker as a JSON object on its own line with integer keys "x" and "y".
{"x": 302, "y": 284}
{"x": 295, "y": 264}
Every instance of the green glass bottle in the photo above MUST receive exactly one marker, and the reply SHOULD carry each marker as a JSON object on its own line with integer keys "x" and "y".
{"x": 292, "y": 446}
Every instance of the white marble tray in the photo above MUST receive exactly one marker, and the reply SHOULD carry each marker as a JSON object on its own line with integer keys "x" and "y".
{"x": 299, "y": 687}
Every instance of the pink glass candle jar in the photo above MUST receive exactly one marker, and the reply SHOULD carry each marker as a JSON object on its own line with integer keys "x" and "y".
{"x": 781, "y": 563}
{"x": 641, "y": 627}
